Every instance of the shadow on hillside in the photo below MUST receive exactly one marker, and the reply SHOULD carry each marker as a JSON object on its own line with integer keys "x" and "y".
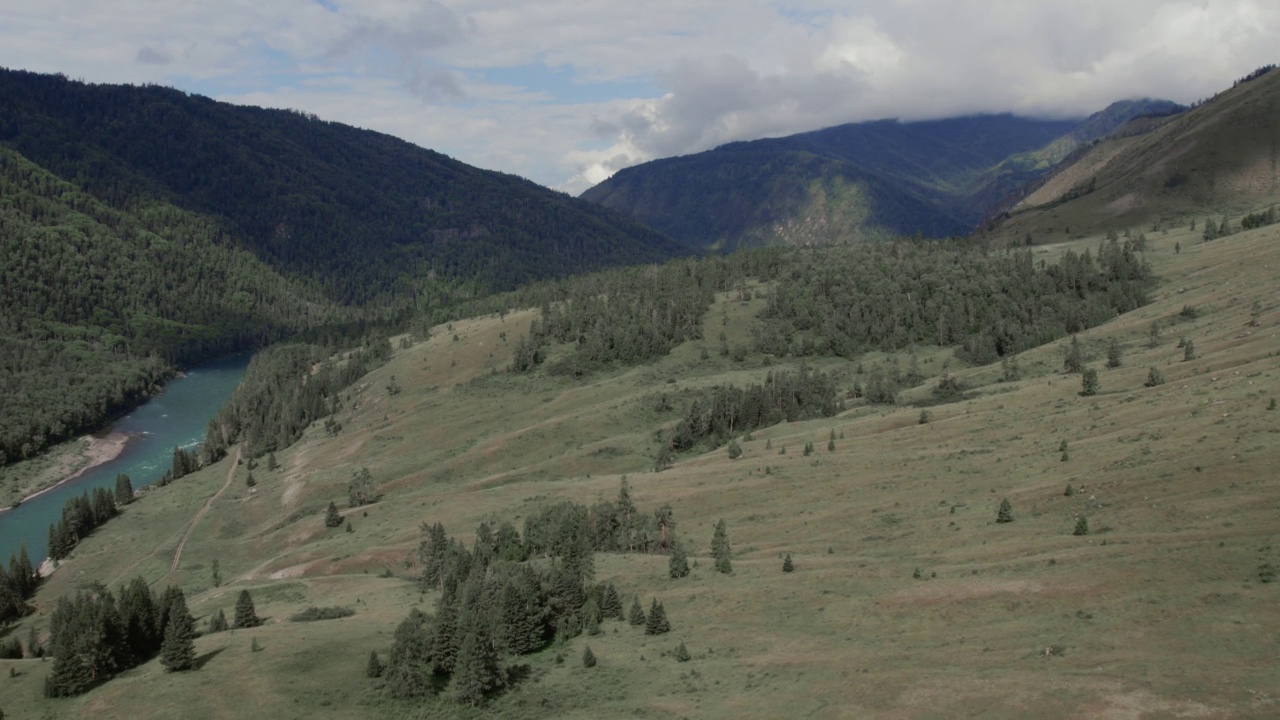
{"x": 201, "y": 661}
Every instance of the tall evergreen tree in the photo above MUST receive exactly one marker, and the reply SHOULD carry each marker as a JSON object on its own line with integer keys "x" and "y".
{"x": 124, "y": 489}
{"x": 331, "y": 516}
{"x": 611, "y": 604}
{"x": 374, "y": 667}
{"x": 720, "y": 549}
{"x": 246, "y": 615}
{"x": 678, "y": 565}
{"x": 218, "y": 622}
{"x": 636, "y": 615}
{"x": 588, "y": 658}
{"x": 787, "y": 565}
{"x": 478, "y": 672}
{"x": 1005, "y": 513}
{"x": 178, "y": 651}
{"x": 656, "y": 623}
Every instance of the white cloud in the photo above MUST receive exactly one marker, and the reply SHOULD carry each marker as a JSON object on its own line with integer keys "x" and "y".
{"x": 689, "y": 74}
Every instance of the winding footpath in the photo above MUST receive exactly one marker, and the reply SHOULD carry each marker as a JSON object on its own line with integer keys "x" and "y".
{"x": 231, "y": 472}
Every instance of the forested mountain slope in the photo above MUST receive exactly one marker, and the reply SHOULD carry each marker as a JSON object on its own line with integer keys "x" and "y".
{"x": 873, "y": 179}
{"x": 142, "y": 228}
{"x": 362, "y": 213}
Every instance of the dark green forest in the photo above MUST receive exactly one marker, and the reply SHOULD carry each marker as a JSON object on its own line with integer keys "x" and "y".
{"x": 143, "y": 230}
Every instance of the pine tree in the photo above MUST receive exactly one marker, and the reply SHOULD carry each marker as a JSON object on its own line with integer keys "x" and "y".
{"x": 588, "y": 658}
{"x": 178, "y": 651}
{"x": 246, "y": 616}
{"x": 636, "y": 615}
{"x": 271, "y": 461}
{"x": 218, "y": 622}
{"x": 1189, "y": 350}
{"x": 735, "y": 450}
{"x": 682, "y": 653}
{"x": 787, "y": 565}
{"x": 1114, "y": 358}
{"x": 124, "y": 489}
{"x": 34, "y": 648}
{"x": 678, "y": 566}
{"x": 1082, "y": 526}
{"x": 1089, "y": 383}
{"x": 611, "y": 604}
{"x": 331, "y": 516}
{"x": 1153, "y": 335}
{"x": 477, "y": 672}
{"x": 720, "y": 549}
{"x": 656, "y": 623}
{"x": 374, "y": 667}
{"x": 1074, "y": 361}
{"x": 1005, "y": 513}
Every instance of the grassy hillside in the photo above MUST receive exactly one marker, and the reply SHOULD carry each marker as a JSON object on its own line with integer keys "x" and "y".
{"x": 1217, "y": 160}
{"x": 1160, "y": 611}
{"x": 856, "y": 181}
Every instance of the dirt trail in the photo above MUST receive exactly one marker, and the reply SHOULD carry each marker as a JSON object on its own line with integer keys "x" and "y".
{"x": 231, "y": 472}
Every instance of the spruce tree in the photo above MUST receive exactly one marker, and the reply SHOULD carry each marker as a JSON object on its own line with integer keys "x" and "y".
{"x": 374, "y": 667}
{"x": 124, "y": 489}
{"x": 656, "y": 623}
{"x": 218, "y": 622}
{"x": 682, "y": 653}
{"x": 720, "y": 549}
{"x": 1089, "y": 383}
{"x": 1005, "y": 513}
{"x": 178, "y": 651}
{"x": 611, "y": 604}
{"x": 636, "y": 615}
{"x": 1074, "y": 361}
{"x": 271, "y": 461}
{"x": 1154, "y": 378}
{"x": 588, "y": 658}
{"x": 678, "y": 565}
{"x": 477, "y": 672}
{"x": 1082, "y": 526}
{"x": 246, "y": 616}
{"x": 1114, "y": 358}
{"x": 1189, "y": 350}
{"x": 331, "y": 516}
{"x": 787, "y": 565}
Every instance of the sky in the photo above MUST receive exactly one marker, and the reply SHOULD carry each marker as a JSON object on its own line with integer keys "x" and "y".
{"x": 567, "y": 92}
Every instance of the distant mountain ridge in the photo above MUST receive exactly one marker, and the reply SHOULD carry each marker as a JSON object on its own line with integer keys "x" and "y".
{"x": 862, "y": 180}
{"x": 359, "y": 212}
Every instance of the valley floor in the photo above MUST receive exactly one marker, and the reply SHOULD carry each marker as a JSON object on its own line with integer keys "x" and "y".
{"x": 908, "y": 600}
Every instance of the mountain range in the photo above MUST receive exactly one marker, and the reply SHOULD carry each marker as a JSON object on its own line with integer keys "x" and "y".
{"x": 863, "y": 180}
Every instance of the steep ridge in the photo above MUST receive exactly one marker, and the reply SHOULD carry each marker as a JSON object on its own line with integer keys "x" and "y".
{"x": 1220, "y": 158}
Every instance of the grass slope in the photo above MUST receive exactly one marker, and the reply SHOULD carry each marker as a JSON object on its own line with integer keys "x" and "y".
{"x": 1219, "y": 158}
{"x": 1158, "y": 613}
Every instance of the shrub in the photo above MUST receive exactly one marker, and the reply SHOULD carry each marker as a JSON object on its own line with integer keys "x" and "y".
{"x": 1005, "y": 513}
{"x": 1154, "y": 377}
{"x": 313, "y": 613}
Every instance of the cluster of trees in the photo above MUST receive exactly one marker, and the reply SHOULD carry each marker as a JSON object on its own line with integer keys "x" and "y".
{"x": 627, "y": 316}
{"x": 890, "y": 296}
{"x": 726, "y": 410}
{"x": 80, "y": 515}
{"x": 495, "y": 602}
{"x": 286, "y": 388}
{"x": 16, "y": 586}
{"x": 97, "y": 635}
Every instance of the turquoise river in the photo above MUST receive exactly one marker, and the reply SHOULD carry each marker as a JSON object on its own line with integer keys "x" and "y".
{"x": 176, "y": 417}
